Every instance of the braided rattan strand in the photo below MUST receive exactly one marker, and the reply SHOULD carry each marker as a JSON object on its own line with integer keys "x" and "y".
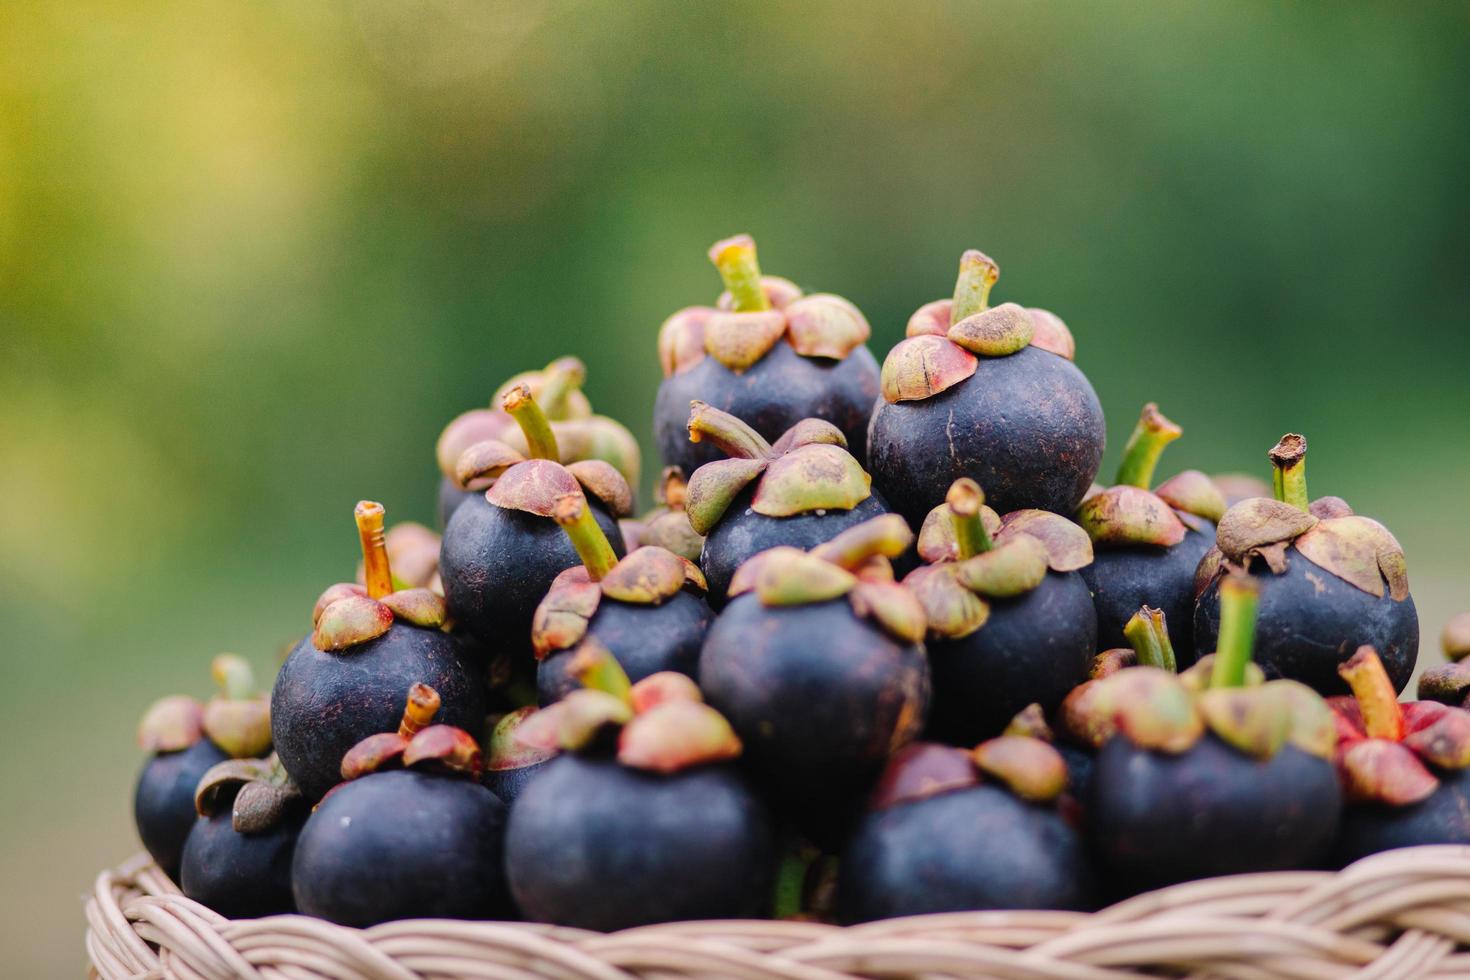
{"x": 1392, "y": 916}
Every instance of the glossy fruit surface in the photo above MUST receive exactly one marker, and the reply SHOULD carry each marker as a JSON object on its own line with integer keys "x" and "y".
{"x": 1124, "y": 579}
{"x": 403, "y": 845}
{"x": 596, "y": 845}
{"x": 975, "y": 848}
{"x": 325, "y": 702}
{"x": 240, "y": 876}
{"x": 163, "y": 800}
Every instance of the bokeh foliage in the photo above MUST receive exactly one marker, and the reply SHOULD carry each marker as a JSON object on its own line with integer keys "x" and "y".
{"x": 253, "y": 255}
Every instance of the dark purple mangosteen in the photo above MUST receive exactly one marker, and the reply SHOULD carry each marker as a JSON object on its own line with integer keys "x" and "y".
{"x": 1213, "y": 771}
{"x": 1405, "y": 768}
{"x": 580, "y": 434}
{"x": 1010, "y": 620}
{"x": 501, "y": 549}
{"x": 410, "y": 833}
{"x": 949, "y": 830}
{"x": 1148, "y": 543}
{"x": 648, "y": 609}
{"x": 346, "y": 680}
{"x": 798, "y": 492}
{"x": 237, "y": 859}
{"x": 819, "y": 665}
{"x": 186, "y": 738}
{"x": 766, "y": 354}
{"x": 989, "y": 393}
{"x": 1331, "y": 581}
{"x": 645, "y": 819}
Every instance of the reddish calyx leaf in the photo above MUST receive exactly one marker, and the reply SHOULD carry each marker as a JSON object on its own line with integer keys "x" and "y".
{"x": 351, "y": 621}
{"x": 1126, "y": 516}
{"x": 921, "y": 367}
{"x": 675, "y": 735}
{"x": 533, "y": 487}
{"x": 171, "y": 724}
{"x": 921, "y": 770}
{"x": 1193, "y": 493}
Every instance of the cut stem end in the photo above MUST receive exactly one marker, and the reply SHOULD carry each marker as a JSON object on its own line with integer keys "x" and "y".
{"x": 1239, "y": 596}
{"x": 1377, "y": 700}
{"x": 964, "y": 500}
{"x": 540, "y": 440}
{"x": 419, "y": 711}
{"x": 376, "y": 570}
{"x": 1141, "y": 455}
{"x": 1289, "y": 476}
{"x": 572, "y": 514}
{"x": 978, "y": 272}
{"x": 735, "y": 258}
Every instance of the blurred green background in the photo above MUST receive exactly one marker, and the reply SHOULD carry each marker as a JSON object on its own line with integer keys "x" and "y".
{"x": 253, "y": 256}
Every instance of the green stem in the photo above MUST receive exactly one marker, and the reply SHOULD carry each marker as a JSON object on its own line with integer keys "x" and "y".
{"x": 1148, "y": 634}
{"x": 596, "y": 669}
{"x": 1377, "y": 700}
{"x": 965, "y": 498}
{"x": 1141, "y": 455}
{"x": 1239, "y": 595}
{"x": 540, "y": 440}
{"x": 978, "y": 272}
{"x": 735, "y": 258}
{"x": 790, "y": 892}
{"x": 733, "y": 436}
{"x": 1289, "y": 465}
{"x": 561, "y": 377}
{"x": 233, "y": 675}
{"x": 575, "y": 518}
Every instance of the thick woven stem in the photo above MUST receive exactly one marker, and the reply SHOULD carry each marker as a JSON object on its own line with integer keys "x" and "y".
{"x": 735, "y": 258}
{"x": 733, "y": 436}
{"x": 1141, "y": 455}
{"x": 534, "y": 426}
{"x": 1377, "y": 700}
{"x": 1239, "y": 595}
{"x": 575, "y": 518}
{"x": 1148, "y": 634}
{"x": 233, "y": 675}
{"x": 1289, "y": 476}
{"x": 376, "y": 571}
{"x": 419, "y": 711}
{"x": 978, "y": 272}
{"x": 964, "y": 501}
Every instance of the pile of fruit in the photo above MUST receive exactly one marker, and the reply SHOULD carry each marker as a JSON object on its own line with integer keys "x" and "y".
{"x": 883, "y": 647}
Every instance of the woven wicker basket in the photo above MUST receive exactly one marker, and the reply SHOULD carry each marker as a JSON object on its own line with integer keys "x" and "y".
{"x": 1396, "y": 915}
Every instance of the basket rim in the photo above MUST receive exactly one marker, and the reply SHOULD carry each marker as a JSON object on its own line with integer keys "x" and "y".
{"x": 1396, "y": 914}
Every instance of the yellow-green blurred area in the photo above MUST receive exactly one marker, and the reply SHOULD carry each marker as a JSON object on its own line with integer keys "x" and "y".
{"x": 254, "y": 255}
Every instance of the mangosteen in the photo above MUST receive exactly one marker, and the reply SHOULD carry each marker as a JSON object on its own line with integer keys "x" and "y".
{"x": 237, "y": 859}
{"x": 1405, "y": 768}
{"x": 1331, "y": 581}
{"x": 410, "y": 833}
{"x": 766, "y": 354}
{"x": 648, "y": 609}
{"x": 1010, "y": 619}
{"x": 502, "y": 549}
{"x": 510, "y": 763}
{"x": 346, "y": 680}
{"x": 185, "y": 738}
{"x": 949, "y": 830}
{"x": 666, "y": 525}
{"x": 1449, "y": 682}
{"x": 1148, "y": 544}
{"x": 985, "y": 392}
{"x": 819, "y": 665}
{"x": 580, "y": 434}
{"x": 645, "y": 819}
{"x": 798, "y": 492}
{"x": 1214, "y": 771}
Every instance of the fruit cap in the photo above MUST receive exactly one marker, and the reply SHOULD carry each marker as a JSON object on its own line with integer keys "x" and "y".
{"x": 676, "y": 734}
{"x": 505, "y": 751}
{"x": 171, "y": 724}
{"x": 1388, "y": 752}
{"x": 1192, "y": 492}
{"x": 1125, "y": 515}
{"x": 1028, "y": 767}
{"x": 258, "y": 791}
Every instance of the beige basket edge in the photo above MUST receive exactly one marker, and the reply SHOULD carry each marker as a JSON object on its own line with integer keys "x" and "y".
{"x": 1394, "y": 915}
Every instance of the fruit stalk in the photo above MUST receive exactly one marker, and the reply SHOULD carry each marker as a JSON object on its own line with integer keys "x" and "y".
{"x": 1377, "y": 700}
{"x": 887, "y": 535}
{"x": 1289, "y": 476}
{"x": 233, "y": 675}
{"x": 1239, "y": 596}
{"x": 422, "y": 705}
{"x": 572, "y": 514}
{"x": 376, "y": 571}
{"x": 1148, "y": 634}
{"x": 540, "y": 440}
{"x": 965, "y": 498}
{"x": 733, "y": 436}
{"x": 978, "y": 272}
{"x": 735, "y": 258}
{"x": 1141, "y": 455}
{"x": 562, "y": 377}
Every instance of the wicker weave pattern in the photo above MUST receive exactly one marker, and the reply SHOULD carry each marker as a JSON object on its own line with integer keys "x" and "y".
{"x": 1397, "y": 915}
